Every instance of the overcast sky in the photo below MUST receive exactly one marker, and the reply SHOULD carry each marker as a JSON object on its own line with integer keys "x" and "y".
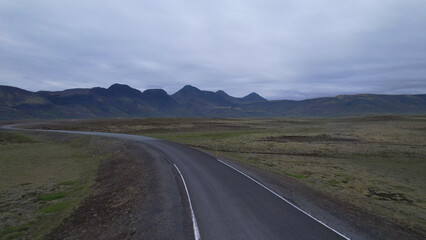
{"x": 279, "y": 49}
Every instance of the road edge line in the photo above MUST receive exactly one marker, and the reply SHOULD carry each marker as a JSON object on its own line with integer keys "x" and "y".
{"x": 282, "y": 198}
{"x": 194, "y": 220}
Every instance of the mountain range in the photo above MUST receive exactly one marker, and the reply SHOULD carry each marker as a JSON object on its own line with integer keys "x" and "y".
{"x": 123, "y": 101}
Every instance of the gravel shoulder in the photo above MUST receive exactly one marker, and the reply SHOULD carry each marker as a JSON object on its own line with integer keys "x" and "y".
{"x": 135, "y": 196}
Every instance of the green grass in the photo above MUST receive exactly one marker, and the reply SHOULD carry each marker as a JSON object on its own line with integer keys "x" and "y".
{"x": 42, "y": 163}
{"x": 333, "y": 183}
{"x": 56, "y": 207}
{"x": 79, "y": 188}
{"x": 10, "y": 138}
{"x": 52, "y": 196}
{"x": 45, "y": 177}
{"x": 13, "y": 232}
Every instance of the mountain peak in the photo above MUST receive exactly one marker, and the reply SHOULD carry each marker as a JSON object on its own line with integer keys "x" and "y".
{"x": 159, "y": 98}
{"x": 254, "y": 97}
{"x": 118, "y": 86}
{"x": 155, "y": 92}
{"x": 222, "y": 93}
{"x": 190, "y": 88}
{"x": 123, "y": 90}
{"x": 253, "y": 94}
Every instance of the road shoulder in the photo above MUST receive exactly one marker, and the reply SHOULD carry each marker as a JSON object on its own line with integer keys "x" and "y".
{"x": 134, "y": 197}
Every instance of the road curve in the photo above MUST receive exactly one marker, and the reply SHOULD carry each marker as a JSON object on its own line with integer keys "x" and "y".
{"x": 228, "y": 204}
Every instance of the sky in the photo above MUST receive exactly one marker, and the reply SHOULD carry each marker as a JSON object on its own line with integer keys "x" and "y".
{"x": 280, "y": 49}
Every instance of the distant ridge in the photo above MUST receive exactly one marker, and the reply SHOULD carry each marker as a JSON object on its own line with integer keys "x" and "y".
{"x": 120, "y": 100}
{"x": 202, "y": 103}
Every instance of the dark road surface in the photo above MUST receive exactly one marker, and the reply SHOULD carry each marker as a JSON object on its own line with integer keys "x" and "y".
{"x": 228, "y": 204}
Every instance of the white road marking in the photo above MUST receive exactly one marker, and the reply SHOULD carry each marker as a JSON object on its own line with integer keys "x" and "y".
{"x": 282, "y": 198}
{"x": 194, "y": 220}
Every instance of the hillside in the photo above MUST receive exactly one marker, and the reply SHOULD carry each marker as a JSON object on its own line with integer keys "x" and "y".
{"x": 343, "y": 106}
{"x": 123, "y": 101}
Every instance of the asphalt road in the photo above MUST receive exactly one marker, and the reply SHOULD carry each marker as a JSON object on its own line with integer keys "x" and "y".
{"x": 229, "y": 205}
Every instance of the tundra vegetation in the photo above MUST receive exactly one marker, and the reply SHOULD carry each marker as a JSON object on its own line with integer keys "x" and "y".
{"x": 375, "y": 163}
{"x": 42, "y": 179}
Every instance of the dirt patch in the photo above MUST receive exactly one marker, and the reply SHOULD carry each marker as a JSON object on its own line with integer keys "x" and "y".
{"x": 387, "y": 195}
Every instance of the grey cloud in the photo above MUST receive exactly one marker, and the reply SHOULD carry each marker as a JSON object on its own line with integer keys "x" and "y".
{"x": 280, "y": 49}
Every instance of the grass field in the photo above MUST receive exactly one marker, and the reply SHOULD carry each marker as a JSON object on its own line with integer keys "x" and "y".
{"x": 41, "y": 181}
{"x": 375, "y": 163}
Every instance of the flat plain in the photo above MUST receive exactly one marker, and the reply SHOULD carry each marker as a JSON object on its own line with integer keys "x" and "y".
{"x": 376, "y": 164}
{"x": 62, "y": 186}
{"x": 41, "y": 181}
